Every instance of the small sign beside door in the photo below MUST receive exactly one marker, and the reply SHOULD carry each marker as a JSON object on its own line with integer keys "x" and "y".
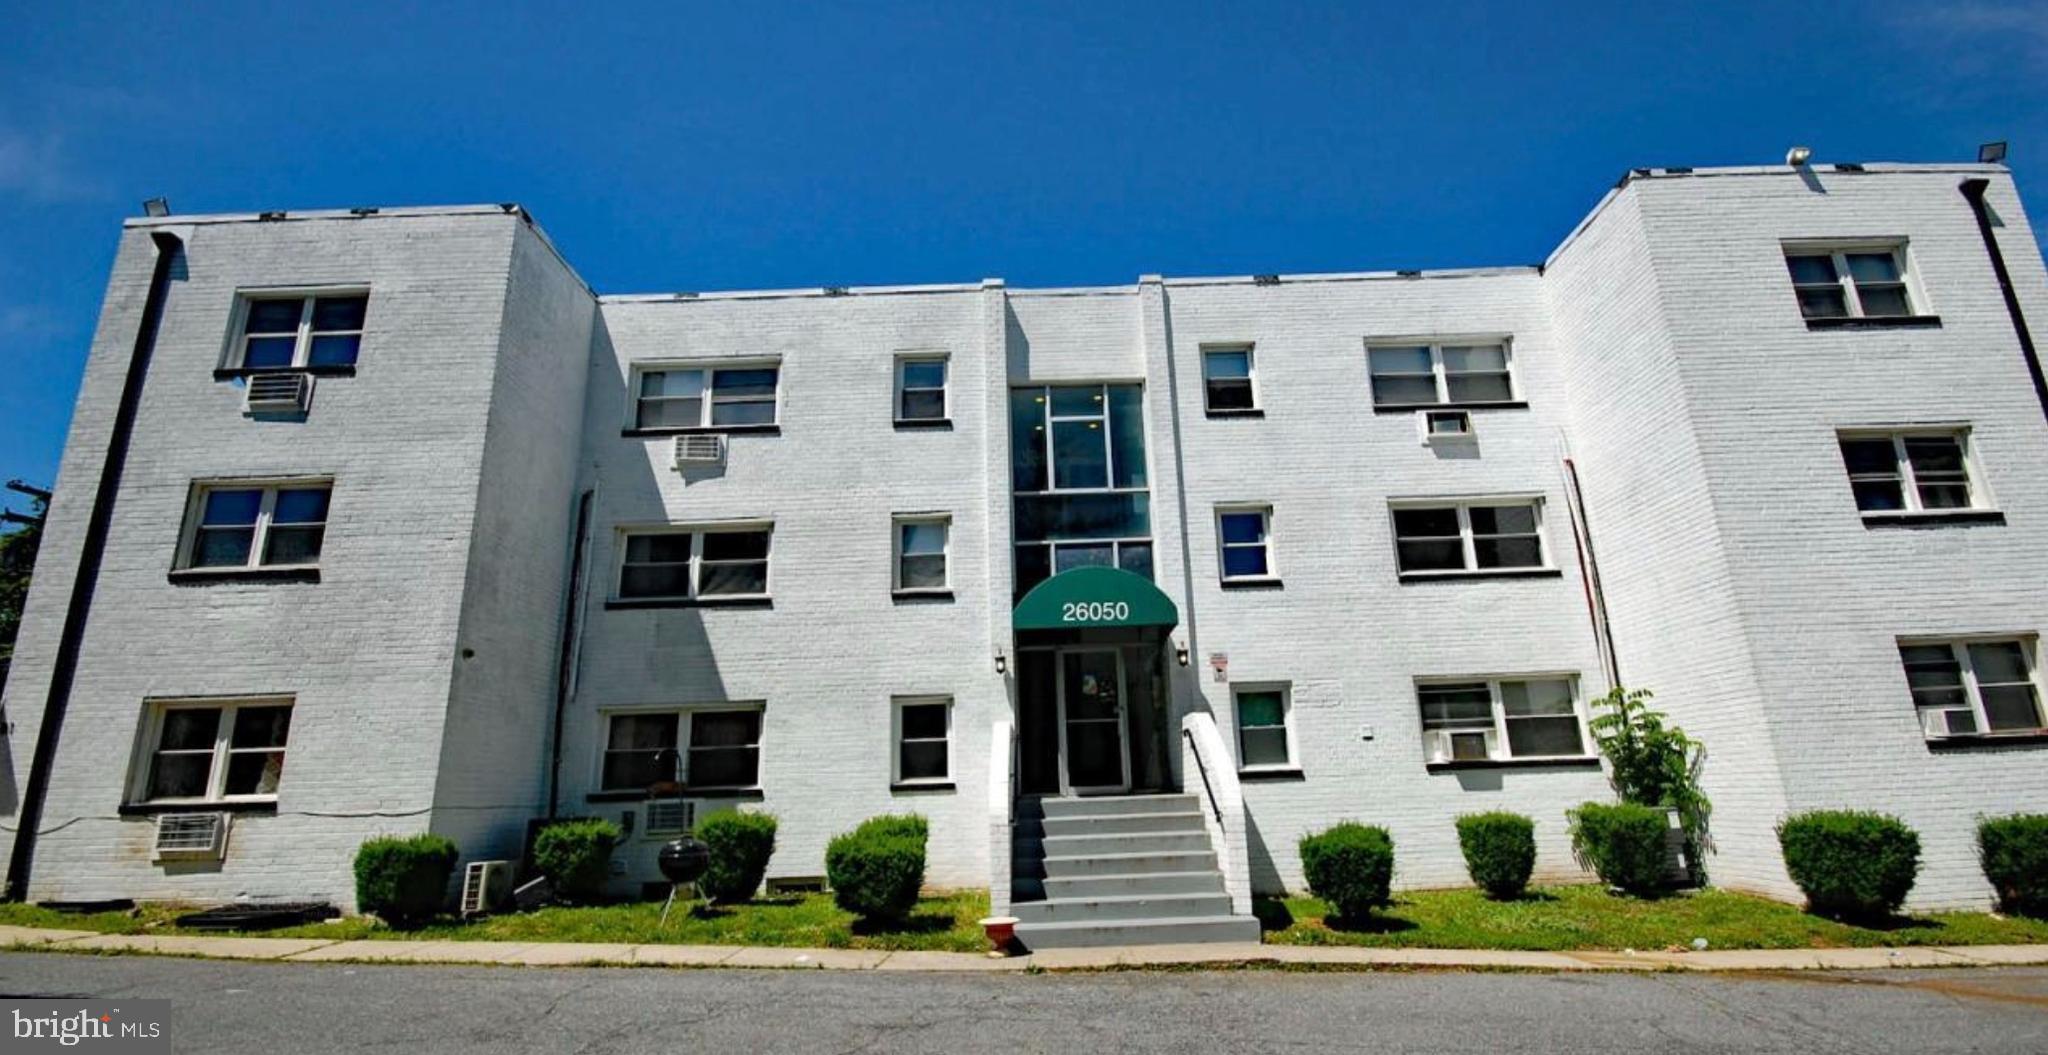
{"x": 1219, "y": 666}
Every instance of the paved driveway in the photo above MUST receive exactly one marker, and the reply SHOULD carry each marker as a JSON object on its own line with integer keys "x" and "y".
{"x": 272, "y": 1008}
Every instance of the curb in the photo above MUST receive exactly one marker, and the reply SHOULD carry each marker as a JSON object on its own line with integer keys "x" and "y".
{"x": 1221, "y": 955}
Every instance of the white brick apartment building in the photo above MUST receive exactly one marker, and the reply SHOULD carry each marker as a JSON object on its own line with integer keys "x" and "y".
{"x": 1765, "y": 440}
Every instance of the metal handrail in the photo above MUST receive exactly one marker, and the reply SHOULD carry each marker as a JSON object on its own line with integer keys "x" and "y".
{"x": 1203, "y": 767}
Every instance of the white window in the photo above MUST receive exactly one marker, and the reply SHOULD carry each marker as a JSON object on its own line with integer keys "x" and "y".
{"x": 700, "y": 748}
{"x": 1228, "y": 381}
{"x": 684, "y": 563}
{"x": 1850, "y": 281}
{"x": 1974, "y": 687}
{"x": 1264, "y": 722}
{"x": 255, "y": 525}
{"x": 1477, "y": 535}
{"x": 922, "y": 543}
{"x": 1911, "y": 471}
{"x": 924, "y": 739}
{"x": 1496, "y": 719}
{"x": 300, "y": 330}
{"x": 1244, "y": 539}
{"x": 714, "y": 397}
{"x": 212, "y": 751}
{"x": 1428, "y": 375}
{"x": 921, "y": 388}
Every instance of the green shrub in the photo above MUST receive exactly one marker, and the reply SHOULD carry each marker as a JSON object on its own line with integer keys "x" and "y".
{"x": 2014, "y": 852}
{"x": 404, "y": 881}
{"x": 877, "y": 869}
{"x": 1351, "y": 866}
{"x": 1850, "y": 863}
{"x": 576, "y": 855}
{"x": 1500, "y": 851}
{"x": 741, "y": 844}
{"x": 1622, "y": 843}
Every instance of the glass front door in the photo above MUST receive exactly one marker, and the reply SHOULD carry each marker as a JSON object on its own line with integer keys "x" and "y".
{"x": 1091, "y": 700}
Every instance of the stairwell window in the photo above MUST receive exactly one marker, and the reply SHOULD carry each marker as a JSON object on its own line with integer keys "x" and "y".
{"x": 1228, "y": 382}
{"x": 679, "y": 564}
{"x": 233, "y": 525}
{"x": 1501, "y": 719}
{"x": 1265, "y": 740}
{"x": 1244, "y": 539}
{"x": 924, "y": 739}
{"x": 921, "y": 388}
{"x": 1468, "y": 537}
{"x": 1975, "y": 687}
{"x": 207, "y": 751}
{"x": 707, "y": 748}
{"x": 1911, "y": 471}
{"x": 739, "y": 395}
{"x": 1853, "y": 280}
{"x": 922, "y": 543}
{"x": 1466, "y": 373}
{"x": 299, "y": 331}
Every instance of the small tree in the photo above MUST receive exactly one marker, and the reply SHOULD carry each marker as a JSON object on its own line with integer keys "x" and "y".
{"x": 1652, "y": 763}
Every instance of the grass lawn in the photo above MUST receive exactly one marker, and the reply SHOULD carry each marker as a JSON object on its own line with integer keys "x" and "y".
{"x": 1588, "y": 917}
{"x": 945, "y": 921}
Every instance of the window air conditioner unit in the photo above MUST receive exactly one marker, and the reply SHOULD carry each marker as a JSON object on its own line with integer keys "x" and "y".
{"x": 191, "y": 836}
{"x": 1444, "y": 425}
{"x": 277, "y": 393}
{"x": 486, "y": 886}
{"x": 1940, "y": 723}
{"x": 700, "y": 448}
{"x": 667, "y": 817}
{"x": 1460, "y": 745}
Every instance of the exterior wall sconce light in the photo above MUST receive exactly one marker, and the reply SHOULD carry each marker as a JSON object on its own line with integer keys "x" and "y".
{"x": 1002, "y": 661}
{"x": 1180, "y": 652}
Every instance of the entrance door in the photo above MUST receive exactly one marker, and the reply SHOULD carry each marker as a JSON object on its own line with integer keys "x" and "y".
{"x": 1092, "y": 755}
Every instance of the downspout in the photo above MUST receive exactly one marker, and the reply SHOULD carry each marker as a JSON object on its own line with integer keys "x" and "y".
{"x": 169, "y": 248}
{"x": 1589, "y": 572}
{"x": 565, "y": 662}
{"x": 1973, "y": 190}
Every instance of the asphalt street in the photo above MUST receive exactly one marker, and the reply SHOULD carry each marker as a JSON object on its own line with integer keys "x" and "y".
{"x": 237, "y": 1007}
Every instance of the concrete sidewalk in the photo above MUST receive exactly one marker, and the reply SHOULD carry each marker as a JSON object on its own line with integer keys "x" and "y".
{"x": 1225, "y": 955}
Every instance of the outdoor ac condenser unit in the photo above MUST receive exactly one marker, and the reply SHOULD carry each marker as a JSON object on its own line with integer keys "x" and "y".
{"x": 486, "y": 886}
{"x": 191, "y": 836}
{"x": 277, "y": 393}
{"x": 698, "y": 449}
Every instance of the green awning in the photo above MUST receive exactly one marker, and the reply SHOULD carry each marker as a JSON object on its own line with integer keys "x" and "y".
{"x": 1094, "y": 597}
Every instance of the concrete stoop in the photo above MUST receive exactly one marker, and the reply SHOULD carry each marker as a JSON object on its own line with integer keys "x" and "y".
{"x": 1129, "y": 870}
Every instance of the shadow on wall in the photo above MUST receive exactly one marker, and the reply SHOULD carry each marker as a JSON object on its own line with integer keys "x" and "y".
{"x": 1265, "y": 873}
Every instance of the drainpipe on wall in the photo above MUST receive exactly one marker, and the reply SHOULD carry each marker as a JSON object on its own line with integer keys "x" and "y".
{"x": 1589, "y": 573}
{"x": 566, "y": 661}
{"x": 169, "y": 248}
{"x": 1973, "y": 190}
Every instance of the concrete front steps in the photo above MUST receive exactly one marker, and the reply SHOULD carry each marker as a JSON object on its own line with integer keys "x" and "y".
{"x": 1129, "y": 870}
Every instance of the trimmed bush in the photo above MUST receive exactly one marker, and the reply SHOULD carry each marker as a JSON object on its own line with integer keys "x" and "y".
{"x": 877, "y": 869}
{"x": 1351, "y": 866}
{"x": 2014, "y": 852}
{"x": 404, "y": 881}
{"x": 1850, "y": 863}
{"x": 1500, "y": 851}
{"x": 576, "y": 855}
{"x": 741, "y": 844}
{"x": 1622, "y": 843}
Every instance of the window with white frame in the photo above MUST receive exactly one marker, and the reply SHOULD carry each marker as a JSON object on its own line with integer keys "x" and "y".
{"x": 1495, "y": 719}
{"x": 700, "y": 748}
{"x": 1263, "y": 723}
{"x": 1432, "y": 375}
{"x": 1478, "y": 535}
{"x": 1910, "y": 471}
{"x": 922, "y": 543}
{"x": 1227, "y": 380}
{"x": 921, "y": 388}
{"x": 1975, "y": 687}
{"x": 213, "y": 750}
{"x": 1850, "y": 281}
{"x": 924, "y": 739}
{"x": 686, "y": 563}
{"x": 691, "y": 397}
{"x": 255, "y": 525}
{"x": 1244, "y": 538}
{"x": 298, "y": 331}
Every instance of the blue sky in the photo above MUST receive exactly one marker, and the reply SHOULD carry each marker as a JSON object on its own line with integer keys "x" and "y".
{"x": 765, "y": 145}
